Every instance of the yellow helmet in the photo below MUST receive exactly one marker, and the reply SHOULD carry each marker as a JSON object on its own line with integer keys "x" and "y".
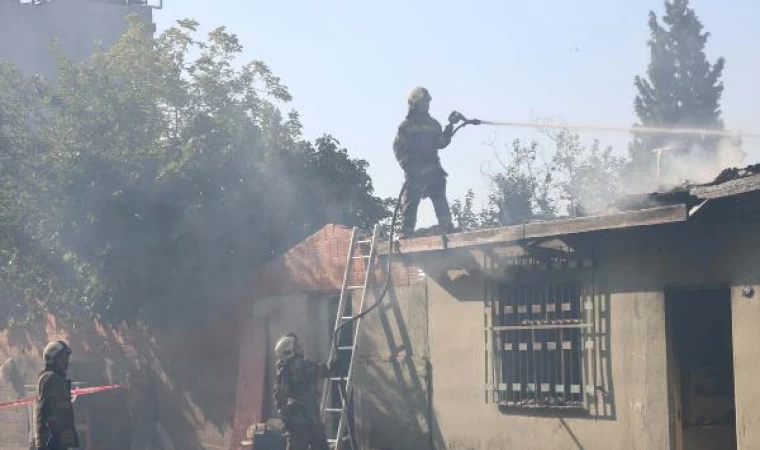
{"x": 418, "y": 94}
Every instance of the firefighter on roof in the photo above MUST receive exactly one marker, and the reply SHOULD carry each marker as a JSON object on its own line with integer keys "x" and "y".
{"x": 295, "y": 395}
{"x": 416, "y": 147}
{"x": 54, "y": 412}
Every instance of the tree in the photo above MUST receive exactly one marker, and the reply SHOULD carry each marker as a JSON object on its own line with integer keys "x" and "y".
{"x": 520, "y": 192}
{"x": 585, "y": 179}
{"x": 580, "y": 180}
{"x": 24, "y": 265}
{"x": 681, "y": 88}
{"x": 463, "y": 213}
{"x": 163, "y": 172}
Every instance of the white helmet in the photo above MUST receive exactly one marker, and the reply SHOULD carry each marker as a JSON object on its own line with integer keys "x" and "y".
{"x": 53, "y": 349}
{"x": 418, "y": 94}
{"x": 287, "y": 347}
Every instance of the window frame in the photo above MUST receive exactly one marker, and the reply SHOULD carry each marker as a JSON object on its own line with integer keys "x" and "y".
{"x": 529, "y": 275}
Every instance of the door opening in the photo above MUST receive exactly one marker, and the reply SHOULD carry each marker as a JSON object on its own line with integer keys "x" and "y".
{"x": 701, "y": 371}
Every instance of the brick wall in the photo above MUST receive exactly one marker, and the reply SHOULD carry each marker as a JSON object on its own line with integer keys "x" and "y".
{"x": 318, "y": 263}
{"x": 194, "y": 368}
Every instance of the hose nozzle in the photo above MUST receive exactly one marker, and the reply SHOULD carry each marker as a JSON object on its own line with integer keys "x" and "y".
{"x": 455, "y": 117}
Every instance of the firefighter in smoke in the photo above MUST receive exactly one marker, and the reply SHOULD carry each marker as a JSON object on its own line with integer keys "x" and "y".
{"x": 54, "y": 412}
{"x": 416, "y": 148}
{"x": 295, "y": 395}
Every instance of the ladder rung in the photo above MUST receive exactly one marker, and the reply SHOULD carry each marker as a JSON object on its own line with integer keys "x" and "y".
{"x": 334, "y": 410}
{"x": 347, "y": 317}
{"x": 337, "y": 379}
{"x": 360, "y": 257}
{"x": 365, "y": 241}
{"x": 355, "y": 287}
{"x": 346, "y": 347}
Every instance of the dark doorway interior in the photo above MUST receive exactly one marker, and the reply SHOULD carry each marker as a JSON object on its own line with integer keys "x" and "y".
{"x": 701, "y": 374}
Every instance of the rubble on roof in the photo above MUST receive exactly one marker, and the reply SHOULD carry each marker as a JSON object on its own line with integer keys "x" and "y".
{"x": 734, "y": 173}
{"x": 692, "y": 194}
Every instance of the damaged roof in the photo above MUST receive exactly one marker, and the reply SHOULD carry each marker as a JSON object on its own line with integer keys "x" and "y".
{"x": 666, "y": 206}
{"x": 729, "y": 182}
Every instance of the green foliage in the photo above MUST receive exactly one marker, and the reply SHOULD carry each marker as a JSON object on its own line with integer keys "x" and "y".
{"x": 585, "y": 179}
{"x": 463, "y": 212}
{"x": 151, "y": 178}
{"x": 520, "y": 192}
{"x": 580, "y": 180}
{"x": 681, "y": 88}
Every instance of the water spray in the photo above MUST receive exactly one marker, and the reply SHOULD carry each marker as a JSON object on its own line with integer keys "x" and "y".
{"x": 616, "y": 129}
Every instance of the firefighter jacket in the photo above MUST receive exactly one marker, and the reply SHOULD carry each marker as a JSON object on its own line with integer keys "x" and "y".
{"x": 295, "y": 392}
{"x": 54, "y": 412}
{"x": 416, "y": 145}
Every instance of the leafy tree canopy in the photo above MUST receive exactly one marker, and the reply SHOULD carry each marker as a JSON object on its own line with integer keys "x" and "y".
{"x": 146, "y": 182}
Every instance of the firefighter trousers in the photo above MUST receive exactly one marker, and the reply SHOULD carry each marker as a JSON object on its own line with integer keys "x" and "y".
{"x": 415, "y": 191}
{"x": 309, "y": 436}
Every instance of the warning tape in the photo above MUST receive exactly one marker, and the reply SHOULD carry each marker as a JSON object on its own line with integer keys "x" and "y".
{"x": 74, "y": 393}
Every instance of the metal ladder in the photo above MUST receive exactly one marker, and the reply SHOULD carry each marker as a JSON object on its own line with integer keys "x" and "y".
{"x": 332, "y": 407}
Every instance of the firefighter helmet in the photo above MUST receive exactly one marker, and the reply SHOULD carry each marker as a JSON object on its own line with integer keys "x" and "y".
{"x": 53, "y": 349}
{"x": 287, "y": 347}
{"x": 417, "y": 95}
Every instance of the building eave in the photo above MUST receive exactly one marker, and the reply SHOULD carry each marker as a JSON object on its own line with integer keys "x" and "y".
{"x": 535, "y": 230}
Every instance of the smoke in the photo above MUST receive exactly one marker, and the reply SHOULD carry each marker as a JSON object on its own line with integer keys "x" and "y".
{"x": 697, "y": 163}
{"x": 586, "y": 178}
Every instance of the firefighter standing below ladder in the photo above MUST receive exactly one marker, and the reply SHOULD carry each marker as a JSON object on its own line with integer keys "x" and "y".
{"x": 295, "y": 395}
{"x": 416, "y": 148}
{"x": 54, "y": 412}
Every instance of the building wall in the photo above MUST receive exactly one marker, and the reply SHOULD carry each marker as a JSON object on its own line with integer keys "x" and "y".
{"x": 633, "y": 271}
{"x": 27, "y": 32}
{"x": 637, "y": 417}
{"x": 392, "y": 375}
{"x": 746, "y": 316}
{"x": 310, "y": 316}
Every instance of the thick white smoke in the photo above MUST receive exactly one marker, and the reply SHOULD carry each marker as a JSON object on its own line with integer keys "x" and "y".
{"x": 696, "y": 164}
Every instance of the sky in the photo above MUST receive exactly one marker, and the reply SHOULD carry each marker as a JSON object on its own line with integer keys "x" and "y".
{"x": 350, "y": 65}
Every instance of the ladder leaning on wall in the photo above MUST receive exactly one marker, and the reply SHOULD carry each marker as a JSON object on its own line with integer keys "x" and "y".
{"x": 362, "y": 249}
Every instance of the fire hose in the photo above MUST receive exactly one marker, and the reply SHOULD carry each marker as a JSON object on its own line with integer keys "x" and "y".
{"x": 74, "y": 393}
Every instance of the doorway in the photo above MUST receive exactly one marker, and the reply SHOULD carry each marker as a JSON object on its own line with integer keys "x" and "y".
{"x": 700, "y": 369}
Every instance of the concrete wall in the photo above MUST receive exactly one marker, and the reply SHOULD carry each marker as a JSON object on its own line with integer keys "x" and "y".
{"x": 27, "y": 31}
{"x": 746, "y": 317}
{"x": 633, "y": 270}
{"x": 310, "y": 316}
{"x": 392, "y": 378}
{"x": 637, "y": 417}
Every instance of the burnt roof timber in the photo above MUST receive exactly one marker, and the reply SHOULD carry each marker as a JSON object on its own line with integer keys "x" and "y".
{"x": 532, "y": 230}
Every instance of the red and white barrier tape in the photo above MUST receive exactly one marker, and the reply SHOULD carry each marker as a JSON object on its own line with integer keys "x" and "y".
{"x": 74, "y": 393}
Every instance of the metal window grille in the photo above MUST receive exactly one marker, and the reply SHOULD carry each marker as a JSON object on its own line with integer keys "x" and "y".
{"x": 539, "y": 334}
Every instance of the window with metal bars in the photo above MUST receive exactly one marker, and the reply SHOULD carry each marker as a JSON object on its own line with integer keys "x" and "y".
{"x": 539, "y": 333}
{"x": 547, "y": 335}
